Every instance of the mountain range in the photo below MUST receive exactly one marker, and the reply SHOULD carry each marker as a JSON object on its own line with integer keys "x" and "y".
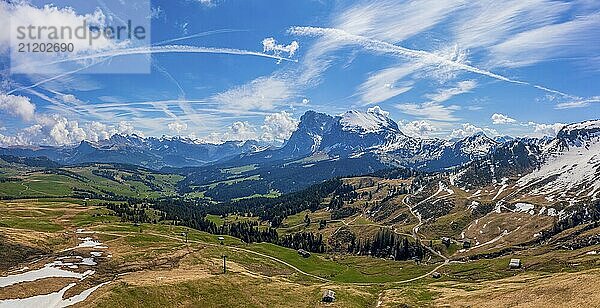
{"x": 353, "y": 143}
{"x": 318, "y": 136}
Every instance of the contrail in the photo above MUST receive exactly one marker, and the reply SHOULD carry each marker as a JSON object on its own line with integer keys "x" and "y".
{"x": 56, "y": 77}
{"x": 147, "y": 50}
{"x": 169, "y": 49}
{"x": 170, "y": 77}
{"x": 381, "y": 46}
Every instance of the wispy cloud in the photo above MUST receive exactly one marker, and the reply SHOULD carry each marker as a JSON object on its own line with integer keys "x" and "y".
{"x": 411, "y": 54}
{"x": 430, "y": 110}
{"x": 580, "y": 103}
{"x": 264, "y": 93}
{"x": 445, "y": 94}
{"x": 384, "y": 20}
{"x": 392, "y": 21}
{"x": 384, "y": 84}
{"x": 433, "y": 109}
{"x": 485, "y": 23}
{"x": 573, "y": 38}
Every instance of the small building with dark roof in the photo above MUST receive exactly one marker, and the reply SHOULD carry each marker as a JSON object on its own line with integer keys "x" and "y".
{"x": 303, "y": 253}
{"x": 466, "y": 244}
{"x": 328, "y": 296}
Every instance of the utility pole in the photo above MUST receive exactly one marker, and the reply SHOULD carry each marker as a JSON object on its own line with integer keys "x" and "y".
{"x": 224, "y": 264}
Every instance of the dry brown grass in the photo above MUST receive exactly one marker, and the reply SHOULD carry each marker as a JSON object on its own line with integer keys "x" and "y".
{"x": 558, "y": 290}
{"x": 521, "y": 227}
{"x": 28, "y": 289}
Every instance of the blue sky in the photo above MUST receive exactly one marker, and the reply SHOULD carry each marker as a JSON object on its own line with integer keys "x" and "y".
{"x": 441, "y": 69}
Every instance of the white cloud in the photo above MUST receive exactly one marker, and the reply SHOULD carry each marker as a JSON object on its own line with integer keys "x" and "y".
{"x": 541, "y": 129}
{"x": 498, "y": 118}
{"x": 177, "y": 127}
{"x": 385, "y": 20}
{"x": 469, "y": 129}
{"x": 440, "y": 61}
{"x": 98, "y": 131}
{"x": 16, "y": 105}
{"x": 278, "y": 127}
{"x": 240, "y": 130}
{"x": 420, "y": 128}
{"x": 126, "y": 128}
{"x": 378, "y": 111}
{"x": 64, "y": 131}
{"x": 270, "y": 45}
{"x": 21, "y": 14}
{"x": 442, "y": 72}
{"x": 209, "y": 3}
{"x": 58, "y": 130}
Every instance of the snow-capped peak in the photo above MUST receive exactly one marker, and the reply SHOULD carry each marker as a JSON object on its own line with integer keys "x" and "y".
{"x": 374, "y": 120}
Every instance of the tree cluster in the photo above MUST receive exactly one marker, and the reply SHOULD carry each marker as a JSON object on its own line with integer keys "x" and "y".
{"x": 387, "y": 244}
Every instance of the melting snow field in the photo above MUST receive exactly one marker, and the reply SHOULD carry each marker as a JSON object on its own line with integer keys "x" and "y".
{"x": 569, "y": 171}
{"x": 55, "y": 269}
{"x": 50, "y": 300}
{"x": 48, "y": 271}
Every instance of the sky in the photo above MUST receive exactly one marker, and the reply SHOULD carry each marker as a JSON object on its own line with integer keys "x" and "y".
{"x": 235, "y": 70}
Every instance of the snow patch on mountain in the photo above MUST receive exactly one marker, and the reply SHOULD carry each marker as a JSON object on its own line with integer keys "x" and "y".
{"x": 587, "y": 125}
{"x": 477, "y": 145}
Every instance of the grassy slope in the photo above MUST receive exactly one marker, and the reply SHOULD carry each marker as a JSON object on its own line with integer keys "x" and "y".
{"x": 33, "y": 182}
{"x": 190, "y": 272}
